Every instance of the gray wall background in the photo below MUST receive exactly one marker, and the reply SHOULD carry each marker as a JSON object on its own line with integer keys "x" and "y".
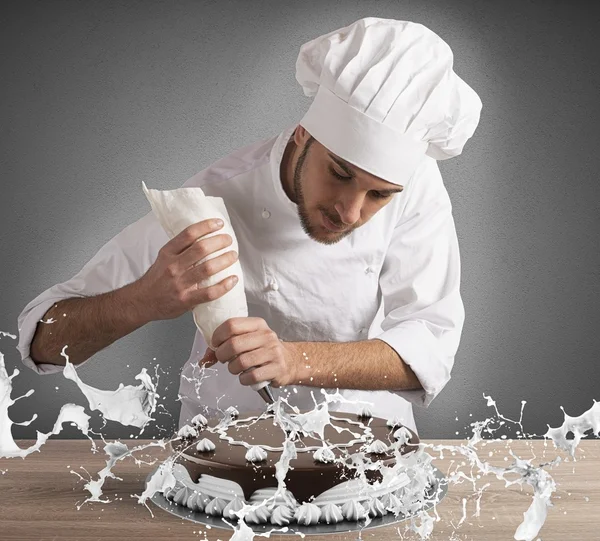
{"x": 98, "y": 96}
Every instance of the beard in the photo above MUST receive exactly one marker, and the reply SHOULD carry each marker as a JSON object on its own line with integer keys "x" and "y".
{"x": 311, "y": 230}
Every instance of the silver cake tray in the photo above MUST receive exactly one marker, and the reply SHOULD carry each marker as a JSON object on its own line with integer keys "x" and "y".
{"x": 440, "y": 487}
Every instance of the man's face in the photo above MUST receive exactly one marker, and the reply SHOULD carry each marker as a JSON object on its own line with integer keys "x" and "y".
{"x": 334, "y": 197}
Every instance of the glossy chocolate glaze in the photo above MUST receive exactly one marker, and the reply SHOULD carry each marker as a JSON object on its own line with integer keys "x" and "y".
{"x": 308, "y": 478}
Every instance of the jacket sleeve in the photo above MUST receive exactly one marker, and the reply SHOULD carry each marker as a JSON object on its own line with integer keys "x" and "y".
{"x": 420, "y": 286}
{"x": 122, "y": 260}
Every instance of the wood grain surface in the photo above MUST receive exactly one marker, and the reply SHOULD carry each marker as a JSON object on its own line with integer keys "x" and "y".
{"x": 39, "y": 498}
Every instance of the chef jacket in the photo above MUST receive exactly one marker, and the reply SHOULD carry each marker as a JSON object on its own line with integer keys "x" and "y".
{"x": 396, "y": 278}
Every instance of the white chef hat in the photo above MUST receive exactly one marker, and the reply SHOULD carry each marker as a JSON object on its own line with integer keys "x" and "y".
{"x": 385, "y": 95}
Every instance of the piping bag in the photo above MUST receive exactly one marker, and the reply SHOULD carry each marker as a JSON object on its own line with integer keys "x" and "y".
{"x": 180, "y": 208}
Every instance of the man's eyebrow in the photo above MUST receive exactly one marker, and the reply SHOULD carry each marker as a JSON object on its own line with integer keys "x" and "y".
{"x": 346, "y": 167}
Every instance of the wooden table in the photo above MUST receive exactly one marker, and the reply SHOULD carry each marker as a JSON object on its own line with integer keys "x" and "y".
{"x": 39, "y": 499}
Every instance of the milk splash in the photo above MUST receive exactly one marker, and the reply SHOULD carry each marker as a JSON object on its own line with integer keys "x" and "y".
{"x": 127, "y": 405}
{"x": 69, "y": 413}
{"x": 134, "y": 406}
{"x": 418, "y": 466}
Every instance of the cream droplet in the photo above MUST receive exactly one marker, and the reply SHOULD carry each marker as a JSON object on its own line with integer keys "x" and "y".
{"x": 324, "y": 455}
{"x": 256, "y": 454}
{"x": 199, "y": 421}
{"x": 377, "y": 447}
{"x": 205, "y": 446}
{"x": 187, "y": 431}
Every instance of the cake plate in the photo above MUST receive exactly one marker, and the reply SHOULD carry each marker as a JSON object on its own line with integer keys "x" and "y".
{"x": 440, "y": 487}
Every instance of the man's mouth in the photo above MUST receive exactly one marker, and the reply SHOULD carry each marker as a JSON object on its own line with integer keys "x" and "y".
{"x": 331, "y": 226}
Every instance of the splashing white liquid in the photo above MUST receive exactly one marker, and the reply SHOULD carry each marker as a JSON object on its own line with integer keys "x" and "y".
{"x": 134, "y": 406}
{"x": 69, "y": 413}
{"x": 127, "y": 405}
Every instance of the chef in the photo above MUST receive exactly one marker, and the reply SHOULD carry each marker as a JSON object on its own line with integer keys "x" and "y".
{"x": 346, "y": 241}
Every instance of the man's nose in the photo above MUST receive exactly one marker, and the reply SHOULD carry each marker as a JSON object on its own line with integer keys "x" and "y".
{"x": 349, "y": 209}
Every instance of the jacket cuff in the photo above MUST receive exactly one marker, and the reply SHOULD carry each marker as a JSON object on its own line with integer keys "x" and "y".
{"x": 27, "y": 326}
{"x": 420, "y": 350}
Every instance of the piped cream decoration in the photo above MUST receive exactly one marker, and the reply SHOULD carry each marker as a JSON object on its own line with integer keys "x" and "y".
{"x": 394, "y": 422}
{"x": 205, "y": 446}
{"x": 324, "y": 455}
{"x": 360, "y": 490}
{"x": 402, "y": 435}
{"x": 330, "y": 502}
{"x": 187, "y": 431}
{"x": 182, "y": 495}
{"x": 282, "y": 515}
{"x": 256, "y": 454}
{"x": 376, "y": 508}
{"x": 234, "y": 505}
{"x": 258, "y": 515}
{"x": 307, "y": 514}
{"x": 342, "y": 493}
{"x": 219, "y": 488}
{"x": 355, "y": 498}
{"x": 377, "y": 447}
{"x": 353, "y": 511}
{"x": 232, "y": 412}
{"x": 215, "y": 507}
{"x": 199, "y": 421}
{"x": 331, "y": 514}
{"x": 262, "y": 494}
{"x": 170, "y": 494}
{"x": 390, "y": 502}
{"x": 198, "y": 501}
{"x": 365, "y": 412}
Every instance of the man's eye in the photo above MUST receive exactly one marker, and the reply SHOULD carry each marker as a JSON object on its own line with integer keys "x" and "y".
{"x": 374, "y": 194}
{"x": 337, "y": 175}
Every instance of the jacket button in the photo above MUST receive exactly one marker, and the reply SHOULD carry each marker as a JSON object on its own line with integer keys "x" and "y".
{"x": 266, "y": 214}
{"x": 274, "y": 286}
{"x": 369, "y": 270}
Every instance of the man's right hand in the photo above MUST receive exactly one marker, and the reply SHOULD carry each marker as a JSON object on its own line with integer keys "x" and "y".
{"x": 170, "y": 288}
{"x": 172, "y": 285}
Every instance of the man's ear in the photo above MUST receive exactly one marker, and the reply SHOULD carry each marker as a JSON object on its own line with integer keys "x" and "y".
{"x": 301, "y": 136}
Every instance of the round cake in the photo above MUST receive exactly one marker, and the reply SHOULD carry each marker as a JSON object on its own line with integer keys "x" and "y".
{"x": 223, "y": 465}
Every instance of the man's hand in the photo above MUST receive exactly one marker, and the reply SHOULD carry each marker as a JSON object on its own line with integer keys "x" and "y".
{"x": 172, "y": 285}
{"x": 254, "y": 352}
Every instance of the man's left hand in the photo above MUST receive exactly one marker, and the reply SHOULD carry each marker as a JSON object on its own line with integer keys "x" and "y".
{"x": 254, "y": 352}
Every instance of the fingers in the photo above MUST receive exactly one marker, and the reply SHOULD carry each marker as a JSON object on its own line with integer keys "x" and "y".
{"x": 201, "y": 249}
{"x": 259, "y": 374}
{"x": 191, "y": 234}
{"x": 247, "y": 361}
{"x": 198, "y": 295}
{"x": 238, "y": 325}
{"x": 199, "y": 273}
{"x": 241, "y": 344}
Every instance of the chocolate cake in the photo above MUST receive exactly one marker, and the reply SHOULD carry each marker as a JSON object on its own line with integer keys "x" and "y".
{"x": 222, "y": 465}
